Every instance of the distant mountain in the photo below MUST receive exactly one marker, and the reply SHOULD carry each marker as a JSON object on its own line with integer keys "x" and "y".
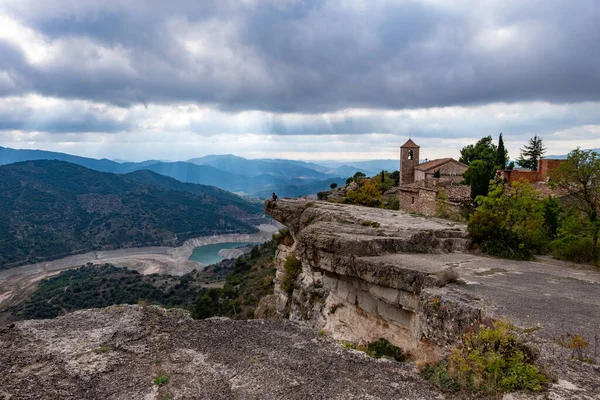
{"x": 9, "y": 156}
{"x": 301, "y": 190}
{"x": 282, "y": 169}
{"x": 564, "y": 156}
{"x": 50, "y": 209}
{"x": 252, "y": 177}
{"x": 372, "y": 167}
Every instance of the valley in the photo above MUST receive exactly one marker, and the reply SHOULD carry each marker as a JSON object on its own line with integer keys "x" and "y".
{"x": 18, "y": 283}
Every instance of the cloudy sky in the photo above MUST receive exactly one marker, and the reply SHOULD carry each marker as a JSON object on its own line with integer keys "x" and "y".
{"x": 141, "y": 79}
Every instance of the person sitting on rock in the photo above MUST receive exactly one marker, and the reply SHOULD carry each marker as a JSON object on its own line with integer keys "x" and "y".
{"x": 274, "y": 197}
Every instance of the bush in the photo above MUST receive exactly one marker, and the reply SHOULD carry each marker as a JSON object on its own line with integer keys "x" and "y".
{"x": 293, "y": 268}
{"x": 510, "y": 222}
{"x": 379, "y": 348}
{"x": 489, "y": 360}
{"x": 573, "y": 248}
{"x": 393, "y": 203}
{"x": 283, "y": 236}
{"x": 333, "y": 185}
{"x": 574, "y": 241}
{"x": 367, "y": 194}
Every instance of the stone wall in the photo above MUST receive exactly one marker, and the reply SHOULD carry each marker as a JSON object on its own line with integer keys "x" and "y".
{"x": 425, "y": 201}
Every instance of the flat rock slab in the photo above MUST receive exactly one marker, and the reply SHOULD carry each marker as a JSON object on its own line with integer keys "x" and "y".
{"x": 117, "y": 352}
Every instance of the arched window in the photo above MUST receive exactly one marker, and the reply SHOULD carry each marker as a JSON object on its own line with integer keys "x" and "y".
{"x": 410, "y": 154}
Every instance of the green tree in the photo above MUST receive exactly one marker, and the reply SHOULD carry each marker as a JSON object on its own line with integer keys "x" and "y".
{"x": 481, "y": 159}
{"x": 478, "y": 176}
{"x": 396, "y": 177}
{"x": 484, "y": 150}
{"x": 533, "y": 151}
{"x": 501, "y": 154}
{"x": 333, "y": 185}
{"x": 510, "y": 221}
{"x": 579, "y": 176}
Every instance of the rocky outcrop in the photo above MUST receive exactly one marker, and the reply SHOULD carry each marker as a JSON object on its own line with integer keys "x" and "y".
{"x": 369, "y": 273}
{"x": 355, "y": 282}
{"x": 133, "y": 352}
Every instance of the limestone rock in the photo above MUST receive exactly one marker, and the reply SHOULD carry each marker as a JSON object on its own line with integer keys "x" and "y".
{"x": 117, "y": 352}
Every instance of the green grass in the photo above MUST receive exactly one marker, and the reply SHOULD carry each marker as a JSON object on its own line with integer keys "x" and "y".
{"x": 161, "y": 379}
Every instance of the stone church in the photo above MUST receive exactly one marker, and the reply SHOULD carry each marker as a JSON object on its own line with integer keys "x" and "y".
{"x": 411, "y": 171}
{"x": 431, "y": 188}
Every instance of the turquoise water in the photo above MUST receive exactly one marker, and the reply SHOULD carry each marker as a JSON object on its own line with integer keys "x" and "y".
{"x": 209, "y": 253}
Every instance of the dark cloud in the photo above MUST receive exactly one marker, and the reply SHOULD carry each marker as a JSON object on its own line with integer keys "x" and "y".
{"x": 310, "y": 56}
{"x": 58, "y": 119}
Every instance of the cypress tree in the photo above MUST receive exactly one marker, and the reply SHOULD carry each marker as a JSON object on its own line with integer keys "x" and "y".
{"x": 501, "y": 153}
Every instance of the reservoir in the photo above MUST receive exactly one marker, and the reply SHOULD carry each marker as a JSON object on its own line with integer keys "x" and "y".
{"x": 209, "y": 253}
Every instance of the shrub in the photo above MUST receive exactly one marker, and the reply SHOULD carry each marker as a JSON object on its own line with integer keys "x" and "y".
{"x": 309, "y": 220}
{"x": 283, "y": 237}
{"x": 293, "y": 268}
{"x": 446, "y": 276}
{"x": 379, "y": 348}
{"x": 374, "y": 224}
{"x": 573, "y": 248}
{"x": 333, "y": 185}
{"x": 574, "y": 242}
{"x": 367, "y": 194}
{"x": 578, "y": 346}
{"x": 161, "y": 379}
{"x": 488, "y": 360}
{"x": 393, "y": 203}
{"x": 323, "y": 196}
{"x": 510, "y": 221}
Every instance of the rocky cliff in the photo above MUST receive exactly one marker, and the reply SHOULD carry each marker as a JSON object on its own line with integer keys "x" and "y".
{"x": 362, "y": 278}
{"x": 369, "y": 273}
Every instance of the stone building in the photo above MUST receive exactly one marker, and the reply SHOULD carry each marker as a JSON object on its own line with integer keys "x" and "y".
{"x": 432, "y": 188}
{"x": 434, "y": 197}
{"x": 447, "y": 168}
{"x": 411, "y": 171}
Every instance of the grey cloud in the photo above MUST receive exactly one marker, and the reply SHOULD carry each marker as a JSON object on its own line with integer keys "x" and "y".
{"x": 65, "y": 120}
{"x": 315, "y": 56}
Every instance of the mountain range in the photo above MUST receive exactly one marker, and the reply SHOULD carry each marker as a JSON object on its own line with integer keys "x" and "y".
{"x": 50, "y": 209}
{"x": 250, "y": 177}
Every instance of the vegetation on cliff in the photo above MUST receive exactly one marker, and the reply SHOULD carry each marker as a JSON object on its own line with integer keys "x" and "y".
{"x": 489, "y": 360}
{"x": 51, "y": 209}
{"x": 251, "y": 278}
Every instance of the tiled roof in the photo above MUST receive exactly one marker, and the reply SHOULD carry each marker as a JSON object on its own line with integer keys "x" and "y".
{"x": 410, "y": 143}
{"x": 434, "y": 164}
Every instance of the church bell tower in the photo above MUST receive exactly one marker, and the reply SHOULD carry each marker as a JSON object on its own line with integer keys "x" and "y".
{"x": 409, "y": 159}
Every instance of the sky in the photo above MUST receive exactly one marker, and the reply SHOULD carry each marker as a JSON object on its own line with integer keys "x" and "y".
{"x": 312, "y": 80}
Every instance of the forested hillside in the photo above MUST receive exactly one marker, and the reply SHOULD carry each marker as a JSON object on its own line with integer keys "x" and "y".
{"x": 50, "y": 209}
